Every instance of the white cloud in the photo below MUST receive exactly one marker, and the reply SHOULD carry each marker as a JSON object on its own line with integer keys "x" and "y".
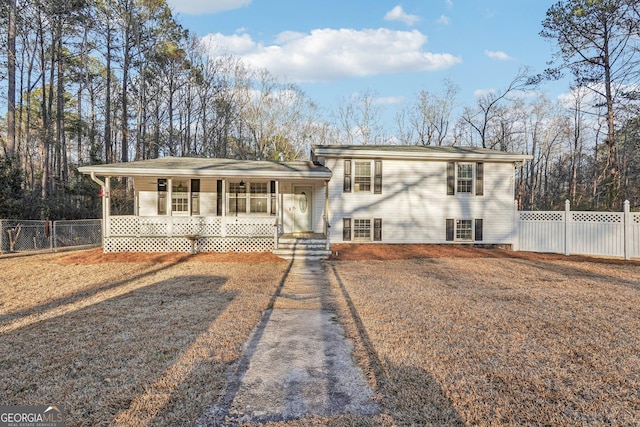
{"x": 497, "y": 55}
{"x": 398, "y": 14}
{"x": 389, "y": 100}
{"x": 443, "y": 20}
{"x": 329, "y": 54}
{"x": 203, "y": 7}
{"x": 479, "y": 93}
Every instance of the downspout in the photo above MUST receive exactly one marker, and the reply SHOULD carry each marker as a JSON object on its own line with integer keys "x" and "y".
{"x": 103, "y": 186}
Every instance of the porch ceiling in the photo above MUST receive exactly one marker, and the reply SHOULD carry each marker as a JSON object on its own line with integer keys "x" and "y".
{"x": 219, "y": 168}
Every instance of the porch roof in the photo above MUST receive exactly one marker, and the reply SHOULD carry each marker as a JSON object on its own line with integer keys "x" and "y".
{"x": 218, "y": 168}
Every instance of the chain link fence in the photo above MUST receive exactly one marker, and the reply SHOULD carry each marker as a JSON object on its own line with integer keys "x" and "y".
{"x": 36, "y": 235}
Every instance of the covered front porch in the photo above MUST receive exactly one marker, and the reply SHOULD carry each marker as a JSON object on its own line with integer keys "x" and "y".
{"x": 215, "y": 205}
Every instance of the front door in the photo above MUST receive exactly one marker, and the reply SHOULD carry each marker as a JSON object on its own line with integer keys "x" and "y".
{"x": 302, "y": 209}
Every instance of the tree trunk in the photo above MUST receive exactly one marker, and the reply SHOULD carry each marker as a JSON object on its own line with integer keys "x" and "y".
{"x": 11, "y": 84}
{"x": 108, "y": 149}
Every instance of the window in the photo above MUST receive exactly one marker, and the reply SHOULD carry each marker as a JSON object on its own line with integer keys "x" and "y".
{"x": 464, "y": 177}
{"x": 179, "y": 196}
{"x": 362, "y": 179}
{"x": 251, "y": 198}
{"x": 258, "y": 197}
{"x": 237, "y": 197}
{"x": 464, "y": 230}
{"x": 464, "y": 183}
{"x": 362, "y": 229}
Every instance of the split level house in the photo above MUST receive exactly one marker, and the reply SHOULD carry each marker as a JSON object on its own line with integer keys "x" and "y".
{"x": 343, "y": 194}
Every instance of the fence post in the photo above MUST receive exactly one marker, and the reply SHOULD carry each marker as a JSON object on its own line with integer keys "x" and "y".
{"x": 627, "y": 229}
{"x": 567, "y": 234}
{"x": 1, "y": 236}
{"x": 51, "y": 225}
{"x": 515, "y": 235}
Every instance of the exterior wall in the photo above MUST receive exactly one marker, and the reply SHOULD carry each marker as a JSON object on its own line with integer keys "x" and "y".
{"x": 414, "y": 204}
{"x": 147, "y": 195}
{"x": 288, "y": 206}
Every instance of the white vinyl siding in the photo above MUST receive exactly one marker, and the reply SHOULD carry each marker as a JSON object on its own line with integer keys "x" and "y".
{"x": 414, "y": 205}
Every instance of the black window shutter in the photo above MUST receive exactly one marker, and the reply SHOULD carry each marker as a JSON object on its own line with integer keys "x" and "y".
{"x": 219, "y": 197}
{"x": 346, "y": 229}
{"x": 450, "y": 229}
{"x": 451, "y": 178}
{"x": 162, "y": 196}
{"x": 272, "y": 191}
{"x": 479, "y": 179}
{"x": 478, "y": 230}
{"x": 377, "y": 229}
{"x": 347, "y": 176}
{"x": 377, "y": 179}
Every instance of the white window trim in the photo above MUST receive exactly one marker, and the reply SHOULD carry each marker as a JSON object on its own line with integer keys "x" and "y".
{"x": 371, "y": 175}
{"x": 359, "y": 238}
{"x": 231, "y": 195}
{"x": 473, "y": 179}
{"x": 187, "y": 193}
{"x": 455, "y": 230}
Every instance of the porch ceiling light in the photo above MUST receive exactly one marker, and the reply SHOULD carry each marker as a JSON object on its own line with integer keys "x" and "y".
{"x": 242, "y": 184}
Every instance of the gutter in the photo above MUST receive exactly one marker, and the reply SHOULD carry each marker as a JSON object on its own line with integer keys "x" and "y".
{"x": 97, "y": 181}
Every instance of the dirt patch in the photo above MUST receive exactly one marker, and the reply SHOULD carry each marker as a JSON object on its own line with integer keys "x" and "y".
{"x": 382, "y": 252}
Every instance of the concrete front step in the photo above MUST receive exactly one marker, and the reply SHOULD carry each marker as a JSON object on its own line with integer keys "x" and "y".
{"x": 300, "y": 253}
{"x": 302, "y": 248}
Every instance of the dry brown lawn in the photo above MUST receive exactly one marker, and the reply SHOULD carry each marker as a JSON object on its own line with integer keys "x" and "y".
{"x": 446, "y": 336}
{"x": 127, "y": 343}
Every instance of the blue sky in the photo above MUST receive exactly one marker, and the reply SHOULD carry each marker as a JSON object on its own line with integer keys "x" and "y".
{"x": 334, "y": 49}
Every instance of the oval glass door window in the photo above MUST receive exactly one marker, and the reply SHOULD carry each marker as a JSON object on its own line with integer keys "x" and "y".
{"x": 303, "y": 202}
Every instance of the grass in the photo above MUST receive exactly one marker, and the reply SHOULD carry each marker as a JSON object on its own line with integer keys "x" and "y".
{"x": 474, "y": 337}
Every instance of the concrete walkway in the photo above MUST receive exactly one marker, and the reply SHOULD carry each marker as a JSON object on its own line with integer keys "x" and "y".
{"x": 297, "y": 361}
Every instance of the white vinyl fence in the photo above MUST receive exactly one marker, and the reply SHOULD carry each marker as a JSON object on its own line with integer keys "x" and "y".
{"x": 37, "y": 235}
{"x": 568, "y": 232}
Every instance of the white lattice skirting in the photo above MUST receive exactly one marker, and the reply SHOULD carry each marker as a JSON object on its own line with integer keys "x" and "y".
{"x": 182, "y": 244}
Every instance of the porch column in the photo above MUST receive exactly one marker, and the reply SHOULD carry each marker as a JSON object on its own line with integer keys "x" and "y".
{"x": 223, "y": 221}
{"x": 326, "y": 212}
{"x": 169, "y": 207}
{"x": 277, "y": 224}
{"x": 106, "y": 206}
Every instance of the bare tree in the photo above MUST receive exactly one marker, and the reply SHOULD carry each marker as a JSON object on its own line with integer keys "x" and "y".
{"x": 598, "y": 42}
{"x": 488, "y": 108}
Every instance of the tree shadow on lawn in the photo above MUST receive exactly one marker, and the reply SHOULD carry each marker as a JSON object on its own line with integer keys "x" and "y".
{"x": 575, "y": 271}
{"x": 97, "y": 360}
{"x": 6, "y": 319}
{"x": 409, "y": 394}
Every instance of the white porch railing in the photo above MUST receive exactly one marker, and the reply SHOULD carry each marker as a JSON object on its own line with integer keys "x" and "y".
{"x": 168, "y": 226}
